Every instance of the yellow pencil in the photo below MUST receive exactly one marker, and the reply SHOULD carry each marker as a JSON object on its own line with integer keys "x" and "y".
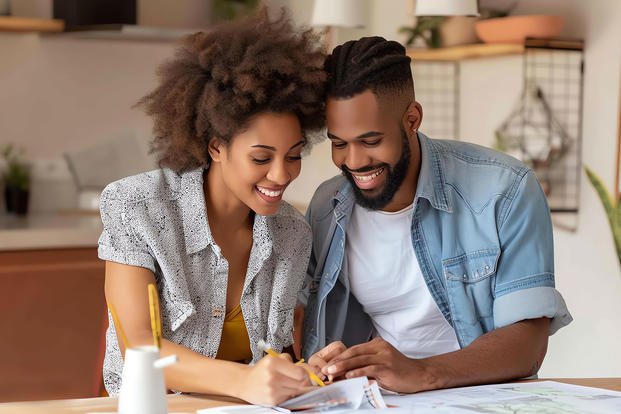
{"x": 154, "y": 310}
{"x": 118, "y": 327}
{"x": 268, "y": 350}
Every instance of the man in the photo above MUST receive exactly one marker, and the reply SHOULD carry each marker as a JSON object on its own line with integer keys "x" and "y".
{"x": 432, "y": 261}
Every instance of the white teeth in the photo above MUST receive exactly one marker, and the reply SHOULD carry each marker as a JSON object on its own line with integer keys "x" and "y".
{"x": 269, "y": 193}
{"x": 368, "y": 177}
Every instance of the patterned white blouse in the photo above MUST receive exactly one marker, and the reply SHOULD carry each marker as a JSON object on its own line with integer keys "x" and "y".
{"x": 158, "y": 220}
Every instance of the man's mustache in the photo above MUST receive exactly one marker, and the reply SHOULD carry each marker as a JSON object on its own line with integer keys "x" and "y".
{"x": 363, "y": 169}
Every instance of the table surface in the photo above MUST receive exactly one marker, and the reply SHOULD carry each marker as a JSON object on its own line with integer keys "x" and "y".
{"x": 190, "y": 403}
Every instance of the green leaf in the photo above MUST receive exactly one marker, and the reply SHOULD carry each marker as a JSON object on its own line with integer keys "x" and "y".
{"x": 17, "y": 170}
{"x": 611, "y": 206}
{"x": 601, "y": 190}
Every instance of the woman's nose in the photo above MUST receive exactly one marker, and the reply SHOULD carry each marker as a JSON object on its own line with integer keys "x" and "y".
{"x": 279, "y": 174}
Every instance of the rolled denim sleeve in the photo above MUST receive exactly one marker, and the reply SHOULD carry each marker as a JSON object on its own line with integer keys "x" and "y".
{"x": 525, "y": 286}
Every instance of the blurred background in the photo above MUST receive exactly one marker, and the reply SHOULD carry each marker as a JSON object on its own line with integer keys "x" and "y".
{"x": 539, "y": 79}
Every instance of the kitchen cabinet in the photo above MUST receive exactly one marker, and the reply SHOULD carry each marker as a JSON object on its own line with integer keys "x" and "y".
{"x": 52, "y": 323}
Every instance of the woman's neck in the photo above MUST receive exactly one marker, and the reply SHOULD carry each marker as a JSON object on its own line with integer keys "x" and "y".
{"x": 224, "y": 210}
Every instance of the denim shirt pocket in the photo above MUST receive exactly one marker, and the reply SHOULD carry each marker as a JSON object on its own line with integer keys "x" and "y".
{"x": 471, "y": 267}
{"x": 470, "y": 280}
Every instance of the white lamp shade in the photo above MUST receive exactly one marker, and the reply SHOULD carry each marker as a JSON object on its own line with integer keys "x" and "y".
{"x": 341, "y": 13}
{"x": 446, "y": 8}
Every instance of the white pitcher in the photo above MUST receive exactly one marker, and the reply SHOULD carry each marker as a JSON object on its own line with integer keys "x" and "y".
{"x": 143, "y": 390}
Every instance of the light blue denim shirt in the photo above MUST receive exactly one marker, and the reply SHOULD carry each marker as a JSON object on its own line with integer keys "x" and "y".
{"x": 481, "y": 232}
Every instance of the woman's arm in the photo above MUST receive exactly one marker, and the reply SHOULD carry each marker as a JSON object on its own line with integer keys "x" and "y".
{"x": 270, "y": 381}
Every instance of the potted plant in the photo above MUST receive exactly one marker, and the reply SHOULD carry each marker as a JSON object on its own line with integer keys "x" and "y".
{"x": 16, "y": 177}
{"x": 612, "y": 207}
{"x": 232, "y": 9}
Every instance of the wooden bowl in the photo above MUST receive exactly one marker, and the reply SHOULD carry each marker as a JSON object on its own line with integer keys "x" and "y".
{"x": 514, "y": 29}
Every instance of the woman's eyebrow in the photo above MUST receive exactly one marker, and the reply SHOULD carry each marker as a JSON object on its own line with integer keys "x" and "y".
{"x": 267, "y": 147}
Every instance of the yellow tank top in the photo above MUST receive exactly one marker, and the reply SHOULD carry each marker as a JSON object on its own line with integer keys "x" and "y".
{"x": 234, "y": 342}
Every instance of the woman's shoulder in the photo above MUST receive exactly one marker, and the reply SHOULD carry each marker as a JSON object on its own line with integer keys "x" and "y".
{"x": 160, "y": 184}
{"x": 288, "y": 213}
{"x": 289, "y": 225}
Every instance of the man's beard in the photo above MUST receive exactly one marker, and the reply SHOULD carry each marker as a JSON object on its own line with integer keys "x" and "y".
{"x": 394, "y": 179}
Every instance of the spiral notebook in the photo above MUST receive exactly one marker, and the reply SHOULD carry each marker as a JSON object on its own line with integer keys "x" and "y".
{"x": 347, "y": 394}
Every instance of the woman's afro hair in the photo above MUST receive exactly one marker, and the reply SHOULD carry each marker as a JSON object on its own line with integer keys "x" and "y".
{"x": 219, "y": 79}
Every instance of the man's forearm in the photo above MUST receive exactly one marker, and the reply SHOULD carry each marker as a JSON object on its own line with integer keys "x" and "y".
{"x": 511, "y": 352}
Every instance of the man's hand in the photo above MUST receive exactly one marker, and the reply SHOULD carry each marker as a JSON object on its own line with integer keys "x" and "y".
{"x": 321, "y": 358}
{"x": 379, "y": 360}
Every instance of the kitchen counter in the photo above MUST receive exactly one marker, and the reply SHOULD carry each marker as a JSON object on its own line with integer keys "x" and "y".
{"x": 49, "y": 231}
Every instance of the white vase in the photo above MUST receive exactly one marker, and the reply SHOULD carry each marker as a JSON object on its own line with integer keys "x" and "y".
{"x": 142, "y": 387}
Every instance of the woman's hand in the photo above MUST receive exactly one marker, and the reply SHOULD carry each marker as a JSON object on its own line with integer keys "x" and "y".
{"x": 273, "y": 380}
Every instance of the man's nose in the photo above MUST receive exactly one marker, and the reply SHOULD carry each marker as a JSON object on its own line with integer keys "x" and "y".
{"x": 356, "y": 158}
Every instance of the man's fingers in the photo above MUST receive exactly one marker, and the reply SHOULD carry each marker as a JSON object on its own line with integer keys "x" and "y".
{"x": 370, "y": 371}
{"x": 321, "y": 357}
{"x": 316, "y": 365}
{"x": 331, "y": 350}
{"x": 367, "y": 348}
{"x": 342, "y": 366}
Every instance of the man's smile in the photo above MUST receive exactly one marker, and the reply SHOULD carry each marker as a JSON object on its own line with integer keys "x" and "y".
{"x": 369, "y": 180}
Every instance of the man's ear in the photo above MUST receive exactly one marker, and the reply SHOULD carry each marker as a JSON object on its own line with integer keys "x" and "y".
{"x": 213, "y": 147}
{"x": 412, "y": 117}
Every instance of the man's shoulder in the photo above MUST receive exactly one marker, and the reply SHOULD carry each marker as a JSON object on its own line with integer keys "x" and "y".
{"x": 321, "y": 203}
{"x": 474, "y": 155}
{"x": 478, "y": 169}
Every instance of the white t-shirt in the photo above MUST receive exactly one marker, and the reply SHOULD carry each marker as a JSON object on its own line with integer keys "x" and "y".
{"x": 385, "y": 277}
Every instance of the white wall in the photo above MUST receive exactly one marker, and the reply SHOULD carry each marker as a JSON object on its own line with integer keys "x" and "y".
{"x": 62, "y": 93}
{"x": 587, "y": 272}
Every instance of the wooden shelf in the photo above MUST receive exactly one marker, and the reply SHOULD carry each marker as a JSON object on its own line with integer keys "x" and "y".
{"x": 457, "y": 53}
{"x": 24, "y": 24}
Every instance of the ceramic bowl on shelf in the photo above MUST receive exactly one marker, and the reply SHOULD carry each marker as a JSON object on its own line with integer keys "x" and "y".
{"x": 515, "y": 29}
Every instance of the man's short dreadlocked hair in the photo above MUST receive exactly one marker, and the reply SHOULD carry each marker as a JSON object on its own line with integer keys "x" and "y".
{"x": 219, "y": 79}
{"x": 368, "y": 63}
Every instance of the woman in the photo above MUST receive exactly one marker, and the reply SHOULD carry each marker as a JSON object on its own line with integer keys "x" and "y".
{"x": 210, "y": 228}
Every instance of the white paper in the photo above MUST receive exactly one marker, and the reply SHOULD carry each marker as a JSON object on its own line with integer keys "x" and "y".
{"x": 238, "y": 409}
{"x": 532, "y": 397}
{"x": 348, "y": 394}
